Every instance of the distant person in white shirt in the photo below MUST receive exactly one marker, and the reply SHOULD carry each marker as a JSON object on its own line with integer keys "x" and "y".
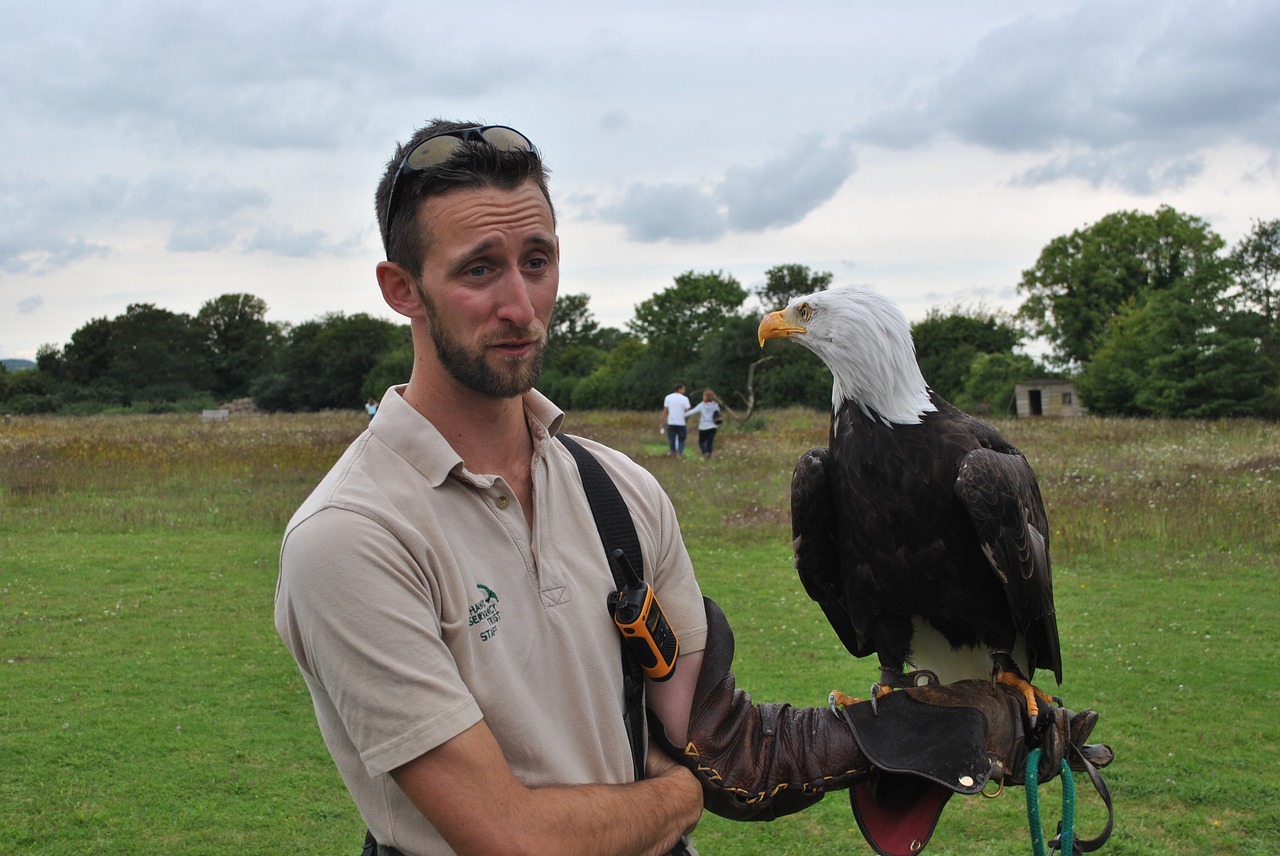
{"x": 674, "y": 407}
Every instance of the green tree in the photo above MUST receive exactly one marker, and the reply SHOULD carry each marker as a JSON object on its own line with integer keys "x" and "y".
{"x": 1111, "y": 379}
{"x": 392, "y": 369}
{"x": 947, "y": 343}
{"x": 722, "y": 359}
{"x": 675, "y": 319}
{"x": 624, "y": 381}
{"x": 990, "y": 384}
{"x": 1168, "y": 356}
{"x": 782, "y": 283}
{"x": 673, "y": 326}
{"x": 326, "y": 361}
{"x": 50, "y": 362}
{"x": 87, "y": 357}
{"x": 1255, "y": 262}
{"x": 572, "y": 323}
{"x": 794, "y": 377}
{"x": 561, "y": 376}
{"x": 1083, "y": 279}
{"x": 144, "y": 354}
{"x": 156, "y": 355}
{"x": 239, "y": 343}
{"x": 574, "y": 348}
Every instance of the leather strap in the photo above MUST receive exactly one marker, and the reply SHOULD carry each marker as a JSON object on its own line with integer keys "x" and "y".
{"x": 617, "y": 532}
{"x": 1088, "y": 845}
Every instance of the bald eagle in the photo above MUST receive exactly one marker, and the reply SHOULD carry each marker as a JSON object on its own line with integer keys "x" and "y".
{"x": 919, "y": 530}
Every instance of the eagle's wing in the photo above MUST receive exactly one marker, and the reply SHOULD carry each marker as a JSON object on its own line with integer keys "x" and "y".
{"x": 813, "y": 540}
{"x": 999, "y": 491}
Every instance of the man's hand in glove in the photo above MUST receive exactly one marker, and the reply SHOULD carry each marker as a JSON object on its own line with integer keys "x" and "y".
{"x": 926, "y": 743}
{"x": 761, "y": 761}
{"x": 962, "y": 734}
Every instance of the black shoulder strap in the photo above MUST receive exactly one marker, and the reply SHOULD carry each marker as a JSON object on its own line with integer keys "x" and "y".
{"x": 617, "y": 532}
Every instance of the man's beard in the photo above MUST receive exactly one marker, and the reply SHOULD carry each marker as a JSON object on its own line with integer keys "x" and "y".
{"x": 470, "y": 369}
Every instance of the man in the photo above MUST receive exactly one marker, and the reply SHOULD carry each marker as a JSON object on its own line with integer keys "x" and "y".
{"x": 443, "y": 589}
{"x": 674, "y": 407}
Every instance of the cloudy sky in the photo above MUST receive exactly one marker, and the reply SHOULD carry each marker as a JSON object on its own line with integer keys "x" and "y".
{"x": 169, "y": 152}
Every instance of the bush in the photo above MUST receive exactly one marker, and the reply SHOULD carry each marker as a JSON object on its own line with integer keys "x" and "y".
{"x": 191, "y": 404}
{"x": 27, "y": 404}
{"x": 170, "y": 393}
{"x": 26, "y": 382}
{"x": 272, "y": 393}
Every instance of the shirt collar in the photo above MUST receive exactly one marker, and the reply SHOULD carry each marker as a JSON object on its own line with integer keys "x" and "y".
{"x": 413, "y": 437}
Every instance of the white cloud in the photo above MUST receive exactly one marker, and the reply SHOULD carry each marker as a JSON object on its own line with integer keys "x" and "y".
{"x": 783, "y": 190}
{"x": 668, "y": 212}
{"x": 1129, "y": 94}
{"x": 170, "y": 153}
{"x": 750, "y": 199}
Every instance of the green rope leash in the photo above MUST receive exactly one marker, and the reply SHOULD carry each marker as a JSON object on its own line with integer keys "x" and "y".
{"x": 1067, "y": 838}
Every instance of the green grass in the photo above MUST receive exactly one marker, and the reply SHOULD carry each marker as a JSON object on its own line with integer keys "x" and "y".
{"x": 150, "y": 708}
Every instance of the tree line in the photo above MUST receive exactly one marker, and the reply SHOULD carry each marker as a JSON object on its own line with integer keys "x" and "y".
{"x": 1148, "y": 313}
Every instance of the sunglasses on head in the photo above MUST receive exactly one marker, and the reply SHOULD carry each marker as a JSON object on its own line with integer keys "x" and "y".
{"x": 433, "y": 151}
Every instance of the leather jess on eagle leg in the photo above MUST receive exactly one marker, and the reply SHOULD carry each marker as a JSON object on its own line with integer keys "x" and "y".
{"x": 761, "y": 761}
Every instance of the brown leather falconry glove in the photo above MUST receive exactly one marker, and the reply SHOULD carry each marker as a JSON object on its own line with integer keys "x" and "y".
{"x": 761, "y": 761}
{"x": 757, "y": 761}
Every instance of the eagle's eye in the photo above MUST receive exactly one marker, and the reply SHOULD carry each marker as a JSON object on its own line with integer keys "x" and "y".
{"x": 804, "y": 311}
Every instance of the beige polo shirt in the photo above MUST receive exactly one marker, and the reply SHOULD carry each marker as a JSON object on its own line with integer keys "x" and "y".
{"x": 417, "y": 600}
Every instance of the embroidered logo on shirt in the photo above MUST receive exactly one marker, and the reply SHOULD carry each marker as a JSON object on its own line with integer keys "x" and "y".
{"x": 485, "y": 613}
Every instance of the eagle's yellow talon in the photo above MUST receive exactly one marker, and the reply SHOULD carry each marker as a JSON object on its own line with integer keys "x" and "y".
{"x": 1030, "y": 692}
{"x": 841, "y": 699}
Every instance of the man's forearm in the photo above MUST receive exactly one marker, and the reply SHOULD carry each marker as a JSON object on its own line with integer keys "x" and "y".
{"x": 467, "y": 779}
{"x": 645, "y": 818}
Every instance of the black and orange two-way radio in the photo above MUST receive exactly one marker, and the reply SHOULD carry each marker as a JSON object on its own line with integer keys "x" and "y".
{"x": 641, "y": 622}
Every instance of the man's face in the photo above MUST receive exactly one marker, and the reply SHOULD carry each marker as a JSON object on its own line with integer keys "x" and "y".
{"x": 488, "y": 285}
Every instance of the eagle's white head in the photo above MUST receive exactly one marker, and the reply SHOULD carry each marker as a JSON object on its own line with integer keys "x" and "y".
{"x": 866, "y": 342}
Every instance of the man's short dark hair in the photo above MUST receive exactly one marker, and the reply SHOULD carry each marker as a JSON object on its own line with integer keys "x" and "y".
{"x": 473, "y": 166}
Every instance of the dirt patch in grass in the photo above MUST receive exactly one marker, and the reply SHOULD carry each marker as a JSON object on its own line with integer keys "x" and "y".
{"x": 1259, "y": 466}
{"x": 758, "y": 516}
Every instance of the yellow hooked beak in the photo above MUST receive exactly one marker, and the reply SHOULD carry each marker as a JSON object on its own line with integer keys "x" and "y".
{"x": 775, "y": 326}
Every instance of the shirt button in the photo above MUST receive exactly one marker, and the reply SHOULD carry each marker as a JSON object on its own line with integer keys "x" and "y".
{"x": 503, "y": 502}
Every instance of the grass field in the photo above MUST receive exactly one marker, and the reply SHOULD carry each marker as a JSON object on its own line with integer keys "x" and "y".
{"x": 148, "y": 706}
